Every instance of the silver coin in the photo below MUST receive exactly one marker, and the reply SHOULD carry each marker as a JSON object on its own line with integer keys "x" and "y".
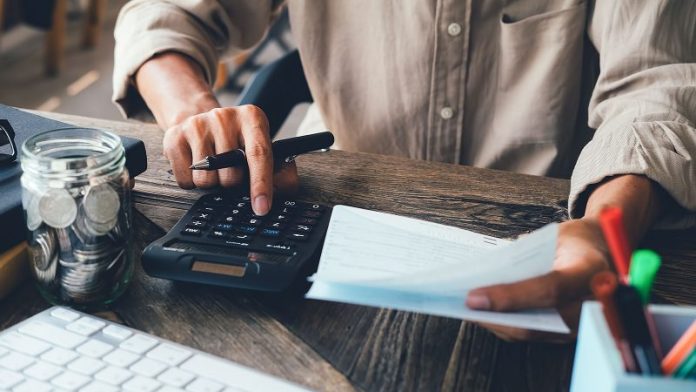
{"x": 101, "y": 204}
{"x": 57, "y": 208}
{"x": 30, "y": 201}
{"x": 42, "y": 248}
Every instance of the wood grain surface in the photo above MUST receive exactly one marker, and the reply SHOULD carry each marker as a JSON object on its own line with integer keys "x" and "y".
{"x": 329, "y": 346}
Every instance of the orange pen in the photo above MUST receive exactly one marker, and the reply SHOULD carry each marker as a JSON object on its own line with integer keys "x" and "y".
{"x": 611, "y": 220}
{"x": 681, "y": 349}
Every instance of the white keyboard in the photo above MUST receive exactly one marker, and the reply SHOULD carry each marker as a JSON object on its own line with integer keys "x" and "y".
{"x": 64, "y": 350}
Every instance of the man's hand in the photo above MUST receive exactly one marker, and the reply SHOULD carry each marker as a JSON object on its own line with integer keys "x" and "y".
{"x": 177, "y": 93}
{"x": 220, "y": 130}
{"x": 581, "y": 252}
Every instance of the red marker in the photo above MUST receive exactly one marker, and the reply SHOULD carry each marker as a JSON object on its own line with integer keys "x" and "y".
{"x": 603, "y": 287}
{"x": 611, "y": 220}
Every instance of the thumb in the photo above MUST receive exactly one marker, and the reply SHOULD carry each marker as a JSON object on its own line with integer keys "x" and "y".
{"x": 537, "y": 292}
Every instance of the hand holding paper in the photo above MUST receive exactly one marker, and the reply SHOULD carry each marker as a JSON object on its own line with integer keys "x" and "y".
{"x": 384, "y": 260}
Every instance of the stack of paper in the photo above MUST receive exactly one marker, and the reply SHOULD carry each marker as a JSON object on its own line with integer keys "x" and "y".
{"x": 377, "y": 259}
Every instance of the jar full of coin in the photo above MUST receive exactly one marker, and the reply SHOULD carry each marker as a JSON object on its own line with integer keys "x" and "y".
{"x": 77, "y": 206}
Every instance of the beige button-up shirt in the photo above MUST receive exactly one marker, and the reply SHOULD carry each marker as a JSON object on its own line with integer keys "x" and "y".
{"x": 515, "y": 85}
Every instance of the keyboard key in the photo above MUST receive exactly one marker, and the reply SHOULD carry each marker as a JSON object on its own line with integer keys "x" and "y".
{"x": 70, "y": 381}
{"x": 97, "y": 386}
{"x": 121, "y": 358}
{"x": 139, "y": 383}
{"x": 52, "y": 334}
{"x": 86, "y": 365}
{"x": 116, "y": 332}
{"x": 113, "y": 375}
{"x": 176, "y": 377}
{"x": 86, "y": 326}
{"x": 191, "y": 231}
{"x": 59, "y": 356}
{"x": 139, "y": 344}
{"x": 42, "y": 371}
{"x": 3, "y": 351}
{"x": 301, "y": 228}
{"x": 247, "y": 229}
{"x": 171, "y": 355}
{"x": 148, "y": 367}
{"x": 24, "y": 344}
{"x": 65, "y": 314}
{"x": 203, "y": 385}
{"x": 9, "y": 378}
{"x": 297, "y": 237}
{"x": 272, "y": 233}
{"x": 95, "y": 348}
{"x": 32, "y": 386}
{"x": 15, "y": 361}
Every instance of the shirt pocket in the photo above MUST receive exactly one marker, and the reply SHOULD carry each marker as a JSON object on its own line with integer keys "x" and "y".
{"x": 539, "y": 70}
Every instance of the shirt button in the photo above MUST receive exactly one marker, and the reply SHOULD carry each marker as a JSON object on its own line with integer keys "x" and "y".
{"x": 454, "y": 29}
{"x": 446, "y": 113}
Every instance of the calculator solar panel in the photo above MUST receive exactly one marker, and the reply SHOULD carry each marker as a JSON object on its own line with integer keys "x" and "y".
{"x": 220, "y": 241}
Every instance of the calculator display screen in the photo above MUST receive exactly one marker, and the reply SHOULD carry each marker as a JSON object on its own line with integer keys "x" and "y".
{"x": 253, "y": 256}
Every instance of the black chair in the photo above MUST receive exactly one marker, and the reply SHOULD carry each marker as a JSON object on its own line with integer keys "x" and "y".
{"x": 277, "y": 88}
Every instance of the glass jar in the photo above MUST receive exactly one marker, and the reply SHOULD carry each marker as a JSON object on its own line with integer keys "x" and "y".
{"x": 77, "y": 206}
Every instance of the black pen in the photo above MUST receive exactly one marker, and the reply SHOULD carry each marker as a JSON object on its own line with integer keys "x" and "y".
{"x": 632, "y": 315}
{"x": 284, "y": 150}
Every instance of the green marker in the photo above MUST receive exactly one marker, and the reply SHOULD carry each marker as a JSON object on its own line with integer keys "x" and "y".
{"x": 641, "y": 274}
{"x": 688, "y": 366}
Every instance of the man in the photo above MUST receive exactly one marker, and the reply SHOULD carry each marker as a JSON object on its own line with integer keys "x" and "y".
{"x": 500, "y": 84}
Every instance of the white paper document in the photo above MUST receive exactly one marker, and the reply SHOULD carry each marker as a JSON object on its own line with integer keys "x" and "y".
{"x": 377, "y": 259}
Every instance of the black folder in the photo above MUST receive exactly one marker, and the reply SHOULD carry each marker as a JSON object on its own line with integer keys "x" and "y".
{"x": 12, "y": 225}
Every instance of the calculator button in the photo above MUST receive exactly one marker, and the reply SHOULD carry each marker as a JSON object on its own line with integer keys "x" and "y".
{"x": 214, "y": 199}
{"x": 246, "y": 198}
{"x": 315, "y": 207}
{"x": 224, "y": 226}
{"x": 306, "y": 221}
{"x": 277, "y": 225}
{"x": 270, "y": 232}
{"x": 298, "y": 236}
{"x": 196, "y": 223}
{"x": 191, "y": 231}
{"x": 311, "y": 214}
{"x": 289, "y": 203}
{"x": 235, "y": 212}
{"x": 242, "y": 205}
{"x": 204, "y": 216}
{"x": 253, "y": 222}
{"x": 217, "y": 234}
{"x": 228, "y": 219}
{"x": 280, "y": 218}
{"x": 241, "y": 237}
{"x": 207, "y": 210}
{"x": 241, "y": 244}
{"x": 286, "y": 210}
{"x": 247, "y": 229}
{"x": 283, "y": 246}
{"x": 301, "y": 228}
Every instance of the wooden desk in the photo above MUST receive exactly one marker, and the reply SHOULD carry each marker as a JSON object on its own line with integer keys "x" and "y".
{"x": 329, "y": 346}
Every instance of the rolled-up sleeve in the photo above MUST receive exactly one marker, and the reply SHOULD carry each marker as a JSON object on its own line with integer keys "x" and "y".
{"x": 644, "y": 103}
{"x": 200, "y": 29}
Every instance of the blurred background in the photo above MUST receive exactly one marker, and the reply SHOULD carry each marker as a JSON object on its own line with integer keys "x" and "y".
{"x": 57, "y": 56}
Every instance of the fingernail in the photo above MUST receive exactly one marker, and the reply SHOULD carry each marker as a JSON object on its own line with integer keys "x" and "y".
{"x": 261, "y": 206}
{"x": 478, "y": 301}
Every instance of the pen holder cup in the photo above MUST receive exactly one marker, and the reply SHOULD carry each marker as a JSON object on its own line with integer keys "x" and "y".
{"x": 598, "y": 366}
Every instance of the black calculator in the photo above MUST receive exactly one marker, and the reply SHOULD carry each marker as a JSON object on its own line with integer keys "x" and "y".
{"x": 220, "y": 241}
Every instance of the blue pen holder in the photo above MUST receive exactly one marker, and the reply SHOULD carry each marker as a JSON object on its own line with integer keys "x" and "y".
{"x": 598, "y": 366}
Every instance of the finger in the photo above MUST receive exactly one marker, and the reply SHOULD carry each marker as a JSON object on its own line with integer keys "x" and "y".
{"x": 257, "y": 145}
{"x": 285, "y": 179}
{"x": 201, "y": 144}
{"x": 178, "y": 153}
{"x": 226, "y": 136}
